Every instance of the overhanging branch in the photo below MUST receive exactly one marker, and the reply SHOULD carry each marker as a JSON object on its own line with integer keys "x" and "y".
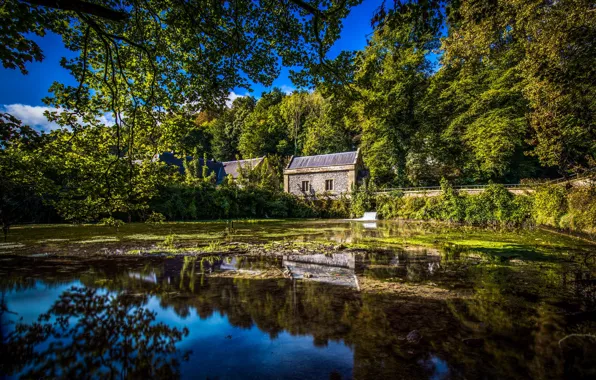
{"x": 82, "y": 7}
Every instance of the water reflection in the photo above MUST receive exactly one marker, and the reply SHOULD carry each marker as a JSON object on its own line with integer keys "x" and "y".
{"x": 511, "y": 324}
{"x": 89, "y": 334}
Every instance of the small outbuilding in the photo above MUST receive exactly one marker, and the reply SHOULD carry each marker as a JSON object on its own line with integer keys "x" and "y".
{"x": 333, "y": 174}
{"x": 234, "y": 168}
{"x": 220, "y": 169}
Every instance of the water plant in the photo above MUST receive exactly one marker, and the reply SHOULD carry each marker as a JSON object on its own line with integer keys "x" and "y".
{"x": 214, "y": 245}
{"x": 168, "y": 241}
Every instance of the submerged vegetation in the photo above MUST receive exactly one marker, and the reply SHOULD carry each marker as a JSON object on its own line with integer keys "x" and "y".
{"x": 479, "y": 298}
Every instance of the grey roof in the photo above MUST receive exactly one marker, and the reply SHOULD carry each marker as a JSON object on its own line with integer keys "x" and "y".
{"x": 233, "y": 167}
{"x": 323, "y": 160}
{"x": 170, "y": 158}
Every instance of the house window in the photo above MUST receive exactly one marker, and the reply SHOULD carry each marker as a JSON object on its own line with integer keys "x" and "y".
{"x": 305, "y": 186}
{"x": 328, "y": 184}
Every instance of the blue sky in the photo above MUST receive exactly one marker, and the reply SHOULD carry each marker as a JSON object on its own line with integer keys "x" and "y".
{"x": 22, "y": 95}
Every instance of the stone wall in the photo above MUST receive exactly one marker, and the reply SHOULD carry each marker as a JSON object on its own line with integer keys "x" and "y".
{"x": 341, "y": 182}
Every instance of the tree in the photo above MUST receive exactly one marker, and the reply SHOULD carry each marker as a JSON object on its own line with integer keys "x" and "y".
{"x": 93, "y": 178}
{"x": 391, "y": 79}
{"x": 265, "y": 132}
{"x": 21, "y": 179}
{"x": 556, "y": 67}
{"x": 141, "y": 62}
{"x": 227, "y": 128}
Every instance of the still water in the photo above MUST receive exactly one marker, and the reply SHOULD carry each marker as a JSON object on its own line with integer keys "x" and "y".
{"x": 401, "y": 313}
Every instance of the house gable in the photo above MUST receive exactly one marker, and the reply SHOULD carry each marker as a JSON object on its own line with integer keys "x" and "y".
{"x": 328, "y": 173}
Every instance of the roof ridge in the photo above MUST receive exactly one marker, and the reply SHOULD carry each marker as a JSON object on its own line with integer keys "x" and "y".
{"x": 327, "y": 154}
{"x": 244, "y": 159}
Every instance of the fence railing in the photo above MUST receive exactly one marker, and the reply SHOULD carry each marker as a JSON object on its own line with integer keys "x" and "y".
{"x": 438, "y": 188}
{"x": 512, "y": 186}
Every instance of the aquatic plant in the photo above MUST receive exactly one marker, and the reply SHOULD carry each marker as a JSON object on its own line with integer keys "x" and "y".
{"x": 214, "y": 245}
{"x": 168, "y": 241}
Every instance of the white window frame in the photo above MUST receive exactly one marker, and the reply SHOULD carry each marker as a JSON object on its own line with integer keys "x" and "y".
{"x": 331, "y": 184}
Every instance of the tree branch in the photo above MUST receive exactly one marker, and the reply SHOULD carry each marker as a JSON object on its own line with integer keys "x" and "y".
{"x": 309, "y": 8}
{"x": 82, "y": 7}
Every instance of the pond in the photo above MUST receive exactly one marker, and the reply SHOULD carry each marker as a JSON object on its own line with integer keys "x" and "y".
{"x": 386, "y": 301}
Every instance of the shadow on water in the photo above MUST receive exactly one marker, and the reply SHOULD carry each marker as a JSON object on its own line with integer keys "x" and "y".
{"x": 132, "y": 318}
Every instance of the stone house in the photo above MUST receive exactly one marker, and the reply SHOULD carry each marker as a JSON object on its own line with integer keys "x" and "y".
{"x": 333, "y": 174}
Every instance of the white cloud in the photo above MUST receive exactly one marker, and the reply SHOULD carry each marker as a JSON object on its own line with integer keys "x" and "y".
{"x": 287, "y": 89}
{"x": 233, "y": 96}
{"x": 31, "y": 115}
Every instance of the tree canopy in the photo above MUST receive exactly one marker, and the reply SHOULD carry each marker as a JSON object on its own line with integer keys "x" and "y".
{"x": 469, "y": 91}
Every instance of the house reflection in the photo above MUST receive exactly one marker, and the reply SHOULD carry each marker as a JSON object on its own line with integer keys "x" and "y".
{"x": 337, "y": 269}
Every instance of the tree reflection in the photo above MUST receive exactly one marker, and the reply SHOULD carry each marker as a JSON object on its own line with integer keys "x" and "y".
{"x": 87, "y": 334}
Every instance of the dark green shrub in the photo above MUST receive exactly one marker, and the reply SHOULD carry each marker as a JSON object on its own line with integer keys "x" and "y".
{"x": 581, "y": 203}
{"x": 550, "y": 204}
{"x": 111, "y": 222}
{"x": 155, "y": 218}
{"x": 453, "y": 206}
{"x": 389, "y": 205}
{"x": 412, "y": 208}
{"x": 523, "y": 206}
{"x": 362, "y": 200}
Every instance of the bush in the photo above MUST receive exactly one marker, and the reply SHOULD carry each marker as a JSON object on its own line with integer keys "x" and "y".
{"x": 494, "y": 206}
{"x": 413, "y": 208}
{"x": 523, "y": 206}
{"x": 155, "y": 218}
{"x": 363, "y": 200}
{"x": 198, "y": 201}
{"x": 389, "y": 205}
{"x": 550, "y": 204}
{"x": 581, "y": 215}
{"x": 453, "y": 207}
{"x": 168, "y": 242}
{"x": 111, "y": 222}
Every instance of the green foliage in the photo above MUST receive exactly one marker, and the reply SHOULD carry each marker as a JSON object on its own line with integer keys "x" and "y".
{"x": 573, "y": 208}
{"x": 214, "y": 246}
{"x": 513, "y": 98}
{"x": 22, "y": 165}
{"x": 582, "y": 208}
{"x": 389, "y": 205}
{"x": 550, "y": 204}
{"x": 111, "y": 222}
{"x": 391, "y": 78}
{"x": 155, "y": 218}
{"x": 168, "y": 242}
{"x": 453, "y": 206}
{"x": 493, "y": 206}
{"x": 203, "y": 201}
{"x": 362, "y": 200}
{"x": 550, "y": 46}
